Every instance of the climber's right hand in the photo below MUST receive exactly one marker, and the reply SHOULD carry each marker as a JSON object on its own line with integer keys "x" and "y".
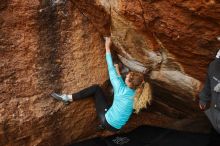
{"x": 107, "y": 43}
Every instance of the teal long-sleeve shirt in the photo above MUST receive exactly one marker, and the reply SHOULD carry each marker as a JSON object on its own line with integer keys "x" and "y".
{"x": 122, "y": 107}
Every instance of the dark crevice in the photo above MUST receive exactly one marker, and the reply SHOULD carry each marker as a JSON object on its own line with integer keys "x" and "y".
{"x": 164, "y": 96}
{"x": 106, "y": 24}
{"x": 154, "y": 38}
{"x": 49, "y": 45}
{"x": 4, "y": 4}
{"x": 5, "y": 128}
{"x": 53, "y": 21}
{"x": 195, "y": 15}
{"x": 142, "y": 15}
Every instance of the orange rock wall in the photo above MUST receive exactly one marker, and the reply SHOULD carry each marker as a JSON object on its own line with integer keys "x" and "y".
{"x": 57, "y": 49}
{"x": 48, "y": 46}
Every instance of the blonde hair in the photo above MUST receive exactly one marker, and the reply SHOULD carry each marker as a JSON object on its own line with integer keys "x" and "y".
{"x": 143, "y": 94}
{"x": 143, "y": 97}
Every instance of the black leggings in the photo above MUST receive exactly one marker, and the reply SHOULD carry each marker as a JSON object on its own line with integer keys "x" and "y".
{"x": 100, "y": 103}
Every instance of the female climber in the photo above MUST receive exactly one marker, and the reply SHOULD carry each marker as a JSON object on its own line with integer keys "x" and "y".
{"x": 127, "y": 95}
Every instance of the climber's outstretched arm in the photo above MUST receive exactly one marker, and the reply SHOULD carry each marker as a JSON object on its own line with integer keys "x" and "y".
{"x": 114, "y": 73}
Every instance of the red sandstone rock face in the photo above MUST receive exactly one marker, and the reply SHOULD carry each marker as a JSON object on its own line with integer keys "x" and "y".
{"x": 48, "y": 46}
{"x": 56, "y": 49}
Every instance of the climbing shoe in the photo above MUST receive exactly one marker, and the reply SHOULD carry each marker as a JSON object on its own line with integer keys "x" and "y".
{"x": 61, "y": 97}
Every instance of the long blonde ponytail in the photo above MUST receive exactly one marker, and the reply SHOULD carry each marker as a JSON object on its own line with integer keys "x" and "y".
{"x": 143, "y": 97}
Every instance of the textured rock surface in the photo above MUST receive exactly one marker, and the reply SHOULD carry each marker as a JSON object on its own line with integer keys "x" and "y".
{"x": 57, "y": 45}
{"x": 54, "y": 50}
